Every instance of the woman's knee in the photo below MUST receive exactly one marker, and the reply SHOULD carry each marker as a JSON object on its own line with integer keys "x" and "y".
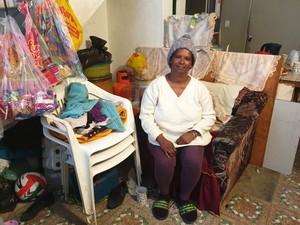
{"x": 165, "y": 163}
{"x": 192, "y": 157}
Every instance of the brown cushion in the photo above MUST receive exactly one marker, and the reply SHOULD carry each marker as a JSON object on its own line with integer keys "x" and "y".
{"x": 251, "y": 104}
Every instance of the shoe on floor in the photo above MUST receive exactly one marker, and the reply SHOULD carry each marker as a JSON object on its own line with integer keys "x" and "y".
{"x": 187, "y": 211}
{"x": 38, "y": 205}
{"x": 160, "y": 208}
{"x": 9, "y": 203}
{"x": 8, "y": 198}
{"x": 117, "y": 195}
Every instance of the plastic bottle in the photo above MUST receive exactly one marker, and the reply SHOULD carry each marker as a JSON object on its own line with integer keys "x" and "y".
{"x": 294, "y": 57}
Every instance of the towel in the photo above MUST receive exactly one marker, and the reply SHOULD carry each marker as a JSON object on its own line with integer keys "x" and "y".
{"x": 77, "y": 102}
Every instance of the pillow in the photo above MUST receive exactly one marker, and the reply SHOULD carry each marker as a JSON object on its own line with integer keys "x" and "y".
{"x": 224, "y": 96}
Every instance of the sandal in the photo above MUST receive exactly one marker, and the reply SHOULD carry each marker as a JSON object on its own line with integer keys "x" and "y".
{"x": 8, "y": 198}
{"x": 160, "y": 209}
{"x": 116, "y": 197}
{"x": 39, "y": 204}
{"x": 188, "y": 212}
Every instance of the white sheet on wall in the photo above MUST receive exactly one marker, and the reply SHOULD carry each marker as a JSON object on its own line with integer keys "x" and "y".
{"x": 199, "y": 27}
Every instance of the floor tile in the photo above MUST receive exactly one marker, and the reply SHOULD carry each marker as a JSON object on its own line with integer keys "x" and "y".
{"x": 281, "y": 216}
{"x": 245, "y": 208}
{"x": 288, "y": 197}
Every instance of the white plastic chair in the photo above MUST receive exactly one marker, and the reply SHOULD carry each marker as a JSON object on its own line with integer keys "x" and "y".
{"x": 93, "y": 157}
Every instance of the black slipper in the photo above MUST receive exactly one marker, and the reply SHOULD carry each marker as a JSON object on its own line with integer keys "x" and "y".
{"x": 39, "y": 204}
{"x": 9, "y": 203}
{"x": 8, "y": 198}
{"x": 117, "y": 195}
{"x": 188, "y": 212}
{"x": 160, "y": 209}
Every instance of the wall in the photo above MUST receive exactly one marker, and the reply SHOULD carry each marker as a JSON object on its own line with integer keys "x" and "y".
{"x": 273, "y": 21}
{"x": 96, "y": 25}
{"x": 235, "y": 34}
{"x": 124, "y": 24}
{"x": 84, "y": 10}
{"x": 133, "y": 23}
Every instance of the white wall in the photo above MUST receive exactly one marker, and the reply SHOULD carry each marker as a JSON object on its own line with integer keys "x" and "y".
{"x": 133, "y": 23}
{"x": 96, "y": 25}
{"x": 125, "y": 25}
{"x": 85, "y": 9}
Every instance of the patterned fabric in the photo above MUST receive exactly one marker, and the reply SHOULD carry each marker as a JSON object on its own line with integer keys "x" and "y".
{"x": 239, "y": 99}
{"x": 233, "y": 145}
{"x": 245, "y": 69}
{"x": 252, "y": 104}
{"x": 232, "y": 149}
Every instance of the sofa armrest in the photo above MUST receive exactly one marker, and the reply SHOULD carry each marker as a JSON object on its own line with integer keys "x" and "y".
{"x": 231, "y": 135}
{"x": 251, "y": 103}
{"x": 232, "y": 150}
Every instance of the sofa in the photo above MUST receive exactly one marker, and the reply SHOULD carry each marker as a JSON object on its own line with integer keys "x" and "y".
{"x": 225, "y": 158}
{"x": 240, "y": 137}
{"x": 229, "y": 152}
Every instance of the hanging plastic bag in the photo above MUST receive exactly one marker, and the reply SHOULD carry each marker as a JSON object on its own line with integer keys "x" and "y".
{"x": 4, "y": 107}
{"x": 75, "y": 29}
{"x": 50, "y": 23}
{"x": 38, "y": 48}
{"x": 24, "y": 88}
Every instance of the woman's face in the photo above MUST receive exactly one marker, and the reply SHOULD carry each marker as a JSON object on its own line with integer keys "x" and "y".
{"x": 181, "y": 61}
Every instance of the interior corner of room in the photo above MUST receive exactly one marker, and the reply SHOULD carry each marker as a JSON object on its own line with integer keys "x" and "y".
{"x": 253, "y": 23}
{"x": 127, "y": 25}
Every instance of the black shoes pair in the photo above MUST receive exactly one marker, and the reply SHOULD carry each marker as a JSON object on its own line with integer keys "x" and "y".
{"x": 39, "y": 204}
{"x": 187, "y": 210}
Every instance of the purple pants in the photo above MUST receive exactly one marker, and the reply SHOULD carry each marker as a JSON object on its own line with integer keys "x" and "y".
{"x": 191, "y": 163}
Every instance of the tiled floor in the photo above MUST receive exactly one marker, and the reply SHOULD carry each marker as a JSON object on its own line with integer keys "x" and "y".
{"x": 261, "y": 197}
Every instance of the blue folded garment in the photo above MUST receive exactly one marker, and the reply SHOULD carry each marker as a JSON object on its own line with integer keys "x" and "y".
{"x": 77, "y": 101}
{"x": 109, "y": 109}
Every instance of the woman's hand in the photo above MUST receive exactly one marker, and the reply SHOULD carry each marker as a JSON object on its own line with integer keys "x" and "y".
{"x": 167, "y": 146}
{"x": 186, "y": 138}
